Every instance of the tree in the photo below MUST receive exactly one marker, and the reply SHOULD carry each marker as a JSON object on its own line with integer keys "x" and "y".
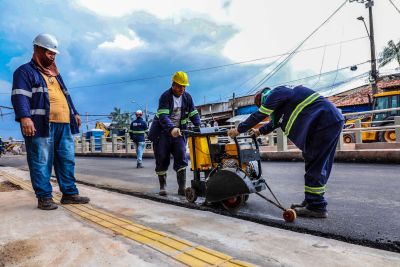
{"x": 390, "y": 52}
{"x": 120, "y": 120}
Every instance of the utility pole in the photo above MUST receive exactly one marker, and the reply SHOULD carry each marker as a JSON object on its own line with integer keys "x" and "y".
{"x": 87, "y": 121}
{"x": 374, "y": 73}
{"x": 233, "y": 105}
{"x": 146, "y": 114}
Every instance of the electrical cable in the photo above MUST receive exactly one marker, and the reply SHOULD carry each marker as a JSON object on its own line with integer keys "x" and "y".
{"x": 320, "y": 69}
{"x": 398, "y": 10}
{"x": 213, "y": 67}
{"x": 280, "y": 65}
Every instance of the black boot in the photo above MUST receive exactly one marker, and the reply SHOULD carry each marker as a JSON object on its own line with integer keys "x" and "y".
{"x": 46, "y": 204}
{"x": 163, "y": 183}
{"x": 181, "y": 178}
{"x": 306, "y": 212}
{"x": 139, "y": 165}
{"x": 299, "y": 205}
{"x": 74, "y": 199}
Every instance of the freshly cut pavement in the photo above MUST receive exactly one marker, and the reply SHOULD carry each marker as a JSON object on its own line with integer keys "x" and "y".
{"x": 363, "y": 198}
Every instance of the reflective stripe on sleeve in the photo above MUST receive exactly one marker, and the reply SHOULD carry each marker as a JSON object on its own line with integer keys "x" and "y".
{"x": 194, "y": 112}
{"x": 265, "y": 110}
{"x": 38, "y": 112}
{"x": 162, "y": 111}
{"x": 21, "y": 92}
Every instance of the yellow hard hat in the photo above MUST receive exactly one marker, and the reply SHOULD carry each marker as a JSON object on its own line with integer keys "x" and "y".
{"x": 181, "y": 78}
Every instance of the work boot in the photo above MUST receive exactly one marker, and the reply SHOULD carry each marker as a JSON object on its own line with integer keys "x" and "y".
{"x": 139, "y": 165}
{"x": 74, "y": 199}
{"x": 299, "y": 205}
{"x": 181, "y": 178}
{"x": 306, "y": 212}
{"x": 46, "y": 204}
{"x": 163, "y": 183}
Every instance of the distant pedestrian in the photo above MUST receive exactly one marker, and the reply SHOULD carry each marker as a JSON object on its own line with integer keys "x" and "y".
{"x": 175, "y": 109}
{"x": 48, "y": 119}
{"x": 137, "y": 132}
{"x": 313, "y": 124}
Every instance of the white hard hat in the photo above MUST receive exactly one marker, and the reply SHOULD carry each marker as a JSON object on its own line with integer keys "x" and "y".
{"x": 139, "y": 112}
{"x": 47, "y": 41}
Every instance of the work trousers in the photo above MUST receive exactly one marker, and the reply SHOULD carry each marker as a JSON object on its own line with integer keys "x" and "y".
{"x": 139, "y": 151}
{"x": 163, "y": 147}
{"x": 45, "y": 152}
{"x": 319, "y": 155}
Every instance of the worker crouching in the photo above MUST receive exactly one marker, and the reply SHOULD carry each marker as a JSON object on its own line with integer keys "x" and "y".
{"x": 175, "y": 109}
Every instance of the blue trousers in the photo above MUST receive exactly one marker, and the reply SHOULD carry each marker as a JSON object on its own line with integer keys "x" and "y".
{"x": 139, "y": 151}
{"x": 45, "y": 152}
{"x": 319, "y": 155}
{"x": 163, "y": 147}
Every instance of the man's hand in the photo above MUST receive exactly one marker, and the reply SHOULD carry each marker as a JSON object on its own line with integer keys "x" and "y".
{"x": 176, "y": 132}
{"x": 78, "y": 120}
{"x": 28, "y": 128}
{"x": 255, "y": 132}
{"x": 233, "y": 133}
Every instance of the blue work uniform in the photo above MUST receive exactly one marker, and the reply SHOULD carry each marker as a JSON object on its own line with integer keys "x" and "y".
{"x": 312, "y": 123}
{"x": 160, "y": 131}
{"x": 137, "y": 131}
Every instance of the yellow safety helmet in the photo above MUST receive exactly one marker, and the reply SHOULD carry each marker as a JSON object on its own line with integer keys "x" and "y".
{"x": 181, "y": 78}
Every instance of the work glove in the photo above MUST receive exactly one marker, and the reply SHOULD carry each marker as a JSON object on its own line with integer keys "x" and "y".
{"x": 255, "y": 132}
{"x": 176, "y": 132}
{"x": 232, "y": 133}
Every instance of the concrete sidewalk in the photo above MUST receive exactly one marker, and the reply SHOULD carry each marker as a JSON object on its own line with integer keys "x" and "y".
{"x": 32, "y": 237}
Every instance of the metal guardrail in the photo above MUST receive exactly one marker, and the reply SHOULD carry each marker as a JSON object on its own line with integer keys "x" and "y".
{"x": 121, "y": 144}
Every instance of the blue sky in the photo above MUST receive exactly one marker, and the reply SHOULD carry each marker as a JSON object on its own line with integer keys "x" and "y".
{"x": 115, "y": 42}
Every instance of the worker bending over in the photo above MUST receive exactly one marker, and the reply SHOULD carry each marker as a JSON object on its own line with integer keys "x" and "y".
{"x": 175, "y": 109}
{"x": 313, "y": 124}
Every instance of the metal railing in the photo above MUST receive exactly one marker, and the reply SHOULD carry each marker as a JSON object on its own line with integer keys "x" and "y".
{"x": 277, "y": 139}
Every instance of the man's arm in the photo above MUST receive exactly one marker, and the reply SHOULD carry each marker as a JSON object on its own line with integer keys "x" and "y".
{"x": 163, "y": 114}
{"x": 193, "y": 113}
{"x": 20, "y": 98}
{"x": 251, "y": 121}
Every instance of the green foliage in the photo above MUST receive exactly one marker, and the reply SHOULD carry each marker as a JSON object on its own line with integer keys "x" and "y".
{"x": 120, "y": 120}
{"x": 390, "y": 52}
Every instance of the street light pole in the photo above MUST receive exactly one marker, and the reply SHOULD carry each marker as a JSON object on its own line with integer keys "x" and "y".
{"x": 374, "y": 74}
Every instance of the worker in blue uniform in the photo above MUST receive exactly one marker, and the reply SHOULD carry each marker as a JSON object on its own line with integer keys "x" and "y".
{"x": 313, "y": 124}
{"x": 137, "y": 133}
{"x": 175, "y": 109}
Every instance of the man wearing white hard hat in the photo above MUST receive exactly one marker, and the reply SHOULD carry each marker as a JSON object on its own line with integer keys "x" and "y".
{"x": 137, "y": 131}
{"x": 48, "y": 119}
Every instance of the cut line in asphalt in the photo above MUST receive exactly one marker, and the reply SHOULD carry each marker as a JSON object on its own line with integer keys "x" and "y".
{"x": 181, "y": 250}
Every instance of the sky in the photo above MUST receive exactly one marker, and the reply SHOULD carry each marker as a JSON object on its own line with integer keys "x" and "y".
{"x": 122, "y": 53}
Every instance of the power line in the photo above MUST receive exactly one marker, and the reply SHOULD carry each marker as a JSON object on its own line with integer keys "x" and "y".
{"x": 214, "y": 67}
{"x": 280, "y": 65}
{"x": 398, "y": 10}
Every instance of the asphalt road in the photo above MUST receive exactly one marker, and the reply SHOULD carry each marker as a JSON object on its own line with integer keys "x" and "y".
{"x": 364, "y": 199}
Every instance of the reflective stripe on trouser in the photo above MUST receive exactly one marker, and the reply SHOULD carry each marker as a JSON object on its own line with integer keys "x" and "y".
{"x": 166, "y": 145}
{"x": 44, "y": 152}
{"x": 319, "y": 155}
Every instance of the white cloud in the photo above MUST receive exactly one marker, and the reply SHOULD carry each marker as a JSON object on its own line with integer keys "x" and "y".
{"x": 122, "y": 42}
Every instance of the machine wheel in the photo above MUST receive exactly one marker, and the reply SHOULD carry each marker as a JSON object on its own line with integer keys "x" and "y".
{"x": 190, "y": 194}
{"x": 234, "y": 203}
{"x": 289, "y": 215}
{"x": 348, "y": 138}
{"x": 388, "y": 136}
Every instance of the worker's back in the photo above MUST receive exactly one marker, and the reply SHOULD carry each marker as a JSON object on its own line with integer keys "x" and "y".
{"x": 299, "y": 111}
